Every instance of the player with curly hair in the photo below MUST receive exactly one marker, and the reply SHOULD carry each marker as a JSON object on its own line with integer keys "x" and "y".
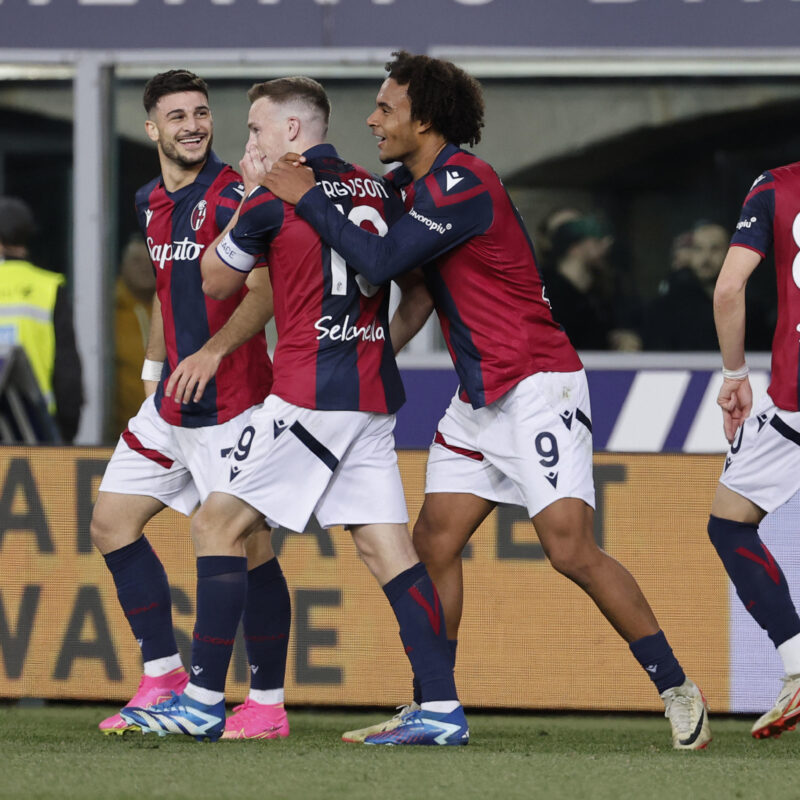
{"x": 519, "y": 428}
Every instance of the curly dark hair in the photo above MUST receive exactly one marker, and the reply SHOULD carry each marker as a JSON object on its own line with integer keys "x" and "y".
{"x": 171, "y": 82}
{"x": 441, "y": 94}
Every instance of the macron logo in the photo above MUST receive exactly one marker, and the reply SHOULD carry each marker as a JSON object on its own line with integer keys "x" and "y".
{"x": 148, "y": 215}
{"x": 196, "y": 670}
{"x": 239, "y": 189}
{"x": 452, "y": 179}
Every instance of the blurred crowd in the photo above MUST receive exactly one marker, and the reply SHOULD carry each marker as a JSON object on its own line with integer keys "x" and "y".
{"x": 600, "y": 306}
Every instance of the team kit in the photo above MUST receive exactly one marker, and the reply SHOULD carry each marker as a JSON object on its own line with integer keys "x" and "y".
{"x": 245, "y": 443}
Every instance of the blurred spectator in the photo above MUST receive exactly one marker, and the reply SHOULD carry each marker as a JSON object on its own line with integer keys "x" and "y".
{"x": 581, "y": 287}
{"x": 134, "y": 291}
{"x": 36, "y": 313}
{"x": 682, "y": 315}
{"x": 681, "y": 251}
{"x": 545, "y": 230}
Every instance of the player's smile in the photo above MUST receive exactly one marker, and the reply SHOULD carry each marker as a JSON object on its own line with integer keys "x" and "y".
{"x": 391, "y": 123}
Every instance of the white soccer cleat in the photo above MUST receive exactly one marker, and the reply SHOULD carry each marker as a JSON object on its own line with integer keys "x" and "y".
{"x": 784, "y": 715}
{"x": 687, "y": 712}
{"x": 359, "y": 735}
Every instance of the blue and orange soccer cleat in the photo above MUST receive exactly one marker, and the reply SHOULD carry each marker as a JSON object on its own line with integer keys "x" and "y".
{"x": 180, "y": 715}
{"x": 426, "y": 727}
{"x": 151, "y": 691}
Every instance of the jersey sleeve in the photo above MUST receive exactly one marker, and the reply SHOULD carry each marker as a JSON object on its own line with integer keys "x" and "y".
{"x": 450, "y": 206}
{"x": 754, "y": 228}
{"x": 259, "y": 221}
{"x": 227, "y": 203}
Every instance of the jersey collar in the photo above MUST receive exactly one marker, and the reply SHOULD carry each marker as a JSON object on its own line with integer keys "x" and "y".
{"x": 206, "y": 176}
{"x": 446, "y": 153}
{"x": 324, "y": 150}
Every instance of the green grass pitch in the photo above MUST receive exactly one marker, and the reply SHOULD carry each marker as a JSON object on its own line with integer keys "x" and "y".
{"x": 55, "y": 751}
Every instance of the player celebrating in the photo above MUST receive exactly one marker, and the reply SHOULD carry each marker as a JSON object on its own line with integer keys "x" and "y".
{"x": 762, "y": 468}
{"x": 519, "y": 430}
{"x": 323, "y": 441}
{"x": 197, "y": 405}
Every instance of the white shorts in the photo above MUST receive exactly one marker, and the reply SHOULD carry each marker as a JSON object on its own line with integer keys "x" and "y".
{"x": 763, "y": 463}
{"x": 178, "y": 466}
{"x": 292, "y": 462}
{"x": 529, "y": 448}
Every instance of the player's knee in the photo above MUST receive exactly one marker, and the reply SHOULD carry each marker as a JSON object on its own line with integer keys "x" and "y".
{"x": 107, "y": 534}
{"x": 435, "y": 544}
{"x": 574, "y": 557}
{"x": 212, "y": 531}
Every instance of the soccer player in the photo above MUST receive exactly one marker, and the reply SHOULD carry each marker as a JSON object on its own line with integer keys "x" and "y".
{"x": 323, "y": 442}
{"x": 762, "y": 468}
{"x": 519, "y": 428}
{"x": 206, "y": 368}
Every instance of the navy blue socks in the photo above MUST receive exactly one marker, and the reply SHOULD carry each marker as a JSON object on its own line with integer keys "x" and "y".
{"x": 418, "y": 609}
{"x": 759, "y": 581}
{"x": 221, "y": 591}
{"x": 656, "y": 657}
{"x": 267, "y": 619}
{"x": 143, "y": 593}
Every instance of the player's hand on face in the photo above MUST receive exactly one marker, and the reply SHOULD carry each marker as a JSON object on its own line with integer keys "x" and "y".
{"x": 288, "y": 180}
{"x": 253, "y": 166}
{"x": 190, "y": 378}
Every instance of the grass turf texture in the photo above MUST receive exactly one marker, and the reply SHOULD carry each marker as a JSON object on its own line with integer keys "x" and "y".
{"x": 56, "y": 752}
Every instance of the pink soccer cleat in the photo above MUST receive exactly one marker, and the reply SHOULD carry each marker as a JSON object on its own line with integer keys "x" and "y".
{"x": 150, "y": 692}
{"x": 253, "y": 720}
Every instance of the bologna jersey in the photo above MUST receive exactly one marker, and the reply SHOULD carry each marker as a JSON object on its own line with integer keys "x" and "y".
{"x": 333, "y": 351}
{"x": 178, "y": 226}
{"x": 479, "y": 265}
{"x": 771, "y": 215}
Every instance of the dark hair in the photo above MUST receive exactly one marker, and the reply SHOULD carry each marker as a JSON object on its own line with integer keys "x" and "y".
{"x": 16, "y": 222}
{"x": 283, "y": 90}
{"x": 440, "y": 94}
{"x": 172, "y": 82}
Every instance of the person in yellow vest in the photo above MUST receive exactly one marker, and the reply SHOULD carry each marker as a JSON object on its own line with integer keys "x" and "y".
{"x": 134, "y": 291}
{"x": 36, "y": 313}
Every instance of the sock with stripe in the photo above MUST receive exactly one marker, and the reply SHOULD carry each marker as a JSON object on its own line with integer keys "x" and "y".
{"x": 143, "y": 592}
{"x": 759, "y": 581}
{"x": 221, "y": 591}
{"x": 416, "y": 605}
{"x": 266, "y": 622}
{"x": 657, "y": 659}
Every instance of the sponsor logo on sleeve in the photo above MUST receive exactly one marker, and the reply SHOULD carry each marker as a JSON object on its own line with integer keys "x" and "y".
{"x": 746, "y": 223}
{"x": 437, "y": 227}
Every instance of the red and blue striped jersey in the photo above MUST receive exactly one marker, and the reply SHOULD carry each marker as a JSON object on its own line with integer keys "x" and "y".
{"x": 771, "y": 216}
{"x": 479, "y": 265}
{"x": 178, "y": 226}
{"x": 333, "y": 350}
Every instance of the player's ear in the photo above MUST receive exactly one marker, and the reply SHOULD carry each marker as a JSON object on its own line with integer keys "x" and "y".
{"x": 292, "y": 128}
{"x": 151, "y": 130}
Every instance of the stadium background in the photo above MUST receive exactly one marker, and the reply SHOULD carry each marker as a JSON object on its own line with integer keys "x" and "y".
{"x": 660, "y": 112}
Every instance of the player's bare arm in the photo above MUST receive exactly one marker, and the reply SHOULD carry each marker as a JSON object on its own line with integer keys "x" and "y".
{"x": 415, "y": 307}
{"x": 736, "y": 396}
{"x": 156, "y": 347}
{"x": 190, "y": 378}
{"x": 288, "y": 181}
